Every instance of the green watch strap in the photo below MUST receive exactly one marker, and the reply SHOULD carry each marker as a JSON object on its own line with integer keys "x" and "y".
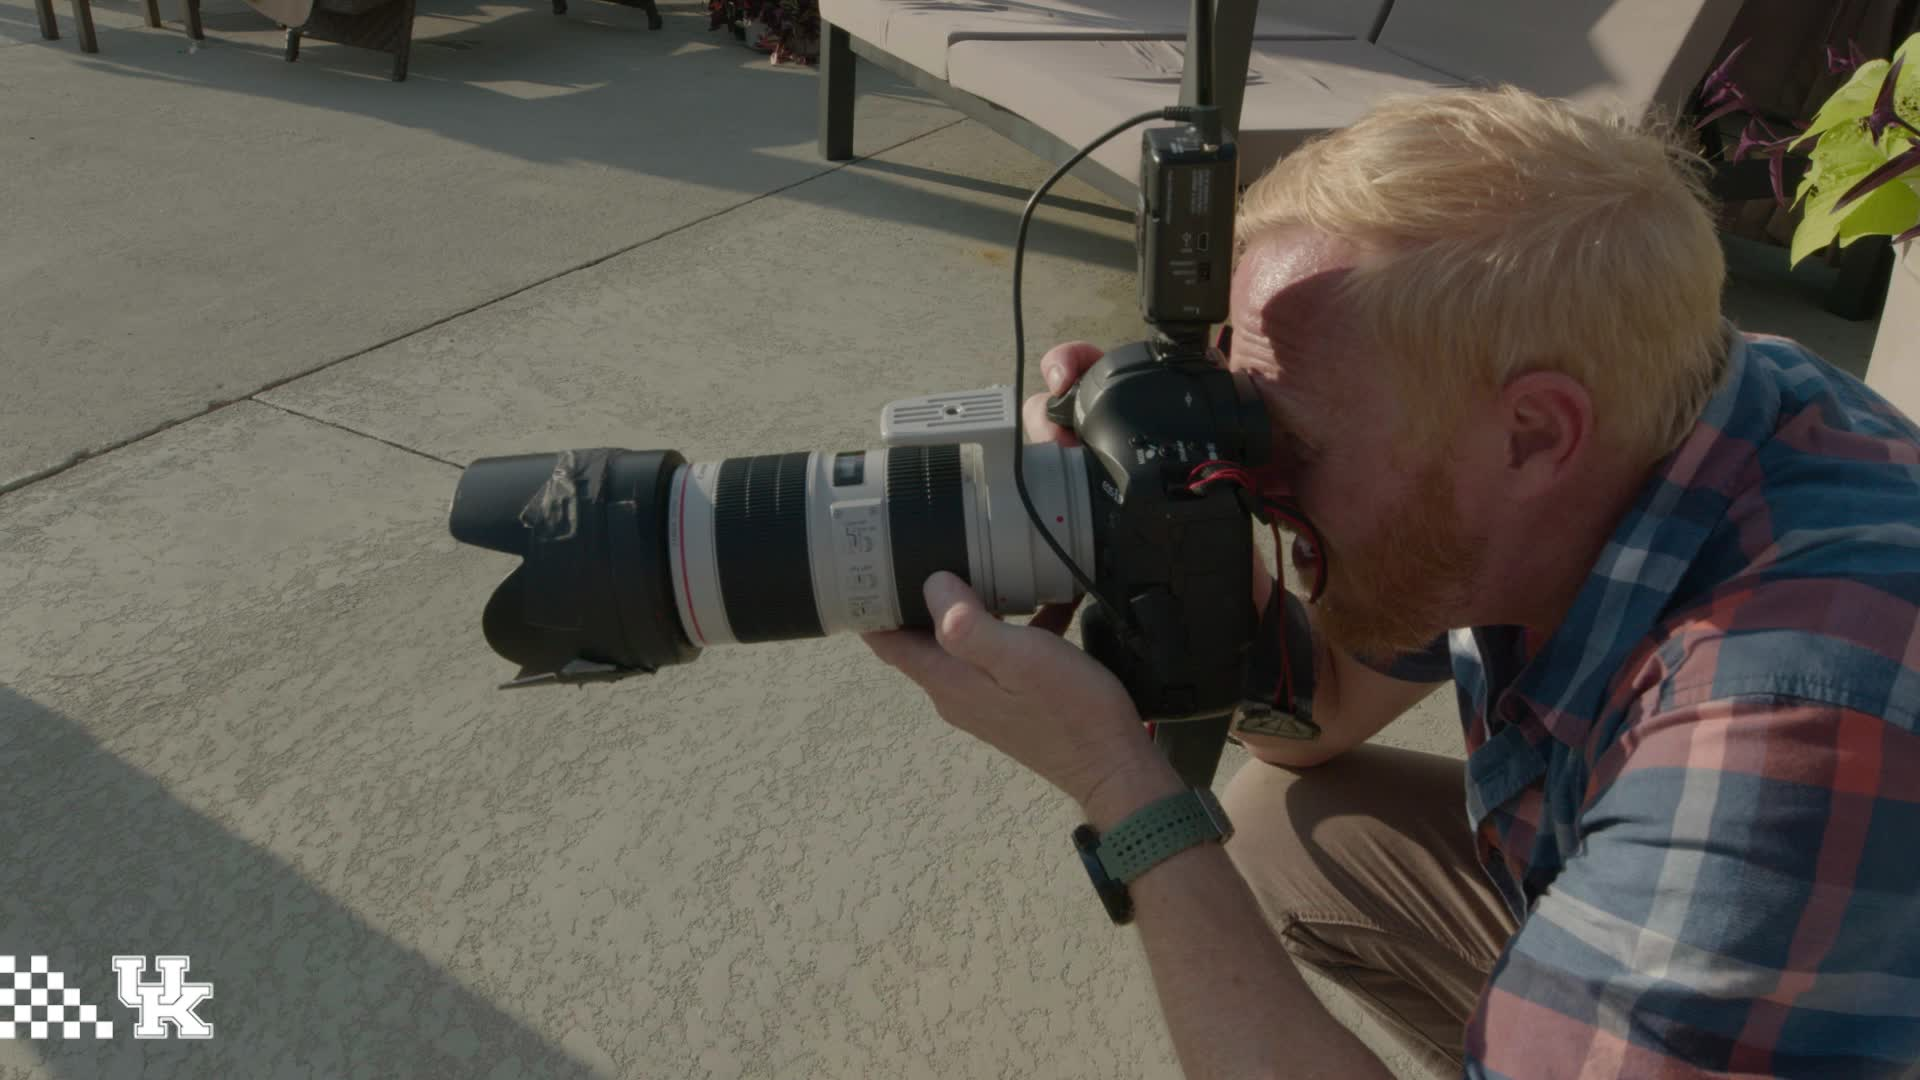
{"x": 1160, "y": 830}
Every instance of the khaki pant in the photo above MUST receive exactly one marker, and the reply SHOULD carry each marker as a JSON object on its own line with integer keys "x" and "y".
{"x": 1366, "y": 868}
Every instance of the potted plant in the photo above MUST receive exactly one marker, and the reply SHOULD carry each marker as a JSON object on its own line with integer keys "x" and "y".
{"x": 788, "y": 30}
{"x": 1862, "y": 179}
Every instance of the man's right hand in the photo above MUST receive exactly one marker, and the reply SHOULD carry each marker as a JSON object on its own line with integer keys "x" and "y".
{"x": 1060, "y": 368}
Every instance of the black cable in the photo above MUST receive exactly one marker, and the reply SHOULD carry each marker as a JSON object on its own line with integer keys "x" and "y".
{"x": 1179, "y": 113}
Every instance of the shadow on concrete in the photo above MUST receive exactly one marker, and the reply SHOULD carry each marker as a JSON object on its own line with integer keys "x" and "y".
{"x": 683, "y": 103}
{"x": 1766, "y": 294}
{"x": 990, "y": 187}
{"x": 100, "y": 859}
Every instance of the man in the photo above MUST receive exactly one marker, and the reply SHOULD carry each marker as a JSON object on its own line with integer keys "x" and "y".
{"x": 1677, "y": 572}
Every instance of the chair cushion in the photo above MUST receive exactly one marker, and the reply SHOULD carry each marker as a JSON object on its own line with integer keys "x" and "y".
{"x": 1078, "y": 89}
{"x": 864, "y": 19}
{"x": 1624, "y": 54}
{"x": 921, "y": 32}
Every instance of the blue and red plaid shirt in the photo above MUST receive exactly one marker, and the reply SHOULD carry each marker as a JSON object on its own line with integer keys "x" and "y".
{"x": 1701, "y": 794}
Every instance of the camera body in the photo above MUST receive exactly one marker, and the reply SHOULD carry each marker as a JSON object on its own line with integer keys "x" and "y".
{"x": 1150, "y": 412}
{"x": 1181, "y": 562}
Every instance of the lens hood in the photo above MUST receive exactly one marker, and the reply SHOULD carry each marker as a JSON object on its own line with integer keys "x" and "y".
{"x": 594, "y": 589}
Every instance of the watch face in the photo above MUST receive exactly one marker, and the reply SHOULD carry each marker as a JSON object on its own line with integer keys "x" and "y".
{"x": 1090, "y": 859}
{"x": 1085, "y": 840}
{"x": 1087, "y": 843}
{"x": 1113, "y": 894}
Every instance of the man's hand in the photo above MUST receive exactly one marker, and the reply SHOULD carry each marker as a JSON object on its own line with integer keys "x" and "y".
{"x": 1025, "y": 691}
{"x": 1060, "y": 368}
{"x": 1234, "y": 1001}
{"x": 1022, "y": 689}
{"x": 1235, "y": 1004}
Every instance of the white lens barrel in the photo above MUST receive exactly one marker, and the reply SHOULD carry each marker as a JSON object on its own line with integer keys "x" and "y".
{"x": 852, "y": 546}
{"x": 1019, "y": 571}
{"x": 750, "y": 563}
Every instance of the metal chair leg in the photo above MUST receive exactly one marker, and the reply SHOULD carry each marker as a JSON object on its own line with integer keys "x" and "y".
{"x": 193, "y": 19}
{"x": 83, "y": 15}
{"x": 49, "y": 26}
{"x": 836, "y": 93}
{"x": 404, "y": 50}
{"x": 153, "y": 13}
{"x": 653, "y": 14}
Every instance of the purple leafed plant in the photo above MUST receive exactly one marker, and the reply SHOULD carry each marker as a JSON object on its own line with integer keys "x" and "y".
{"x": 791, "y": 27}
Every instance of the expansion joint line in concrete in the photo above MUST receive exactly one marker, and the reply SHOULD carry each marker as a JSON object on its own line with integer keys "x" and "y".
{"x": 254, "y": 395}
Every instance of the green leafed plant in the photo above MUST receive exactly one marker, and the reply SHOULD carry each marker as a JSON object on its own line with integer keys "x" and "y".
{"x": 1862, "y": 149}
{"x": 1864, "y": 158}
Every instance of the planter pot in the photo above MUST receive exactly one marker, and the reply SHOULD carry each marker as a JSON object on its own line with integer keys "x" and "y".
{"x": 1894, "y": 370}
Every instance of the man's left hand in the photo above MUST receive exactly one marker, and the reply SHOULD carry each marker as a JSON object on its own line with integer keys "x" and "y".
{"x": 1023, "y": 690}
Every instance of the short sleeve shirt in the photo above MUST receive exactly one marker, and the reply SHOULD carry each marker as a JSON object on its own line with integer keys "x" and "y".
{"x": 1701, "y": 794}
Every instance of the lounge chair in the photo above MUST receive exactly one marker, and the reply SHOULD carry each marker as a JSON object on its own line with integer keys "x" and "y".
{"x": 1053, "y": 90}
{"x": 383, "y": 25}
{"x": 83, "y": 21}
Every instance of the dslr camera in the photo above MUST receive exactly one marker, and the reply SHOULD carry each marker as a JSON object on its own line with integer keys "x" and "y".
{"x": 636, "y": 560}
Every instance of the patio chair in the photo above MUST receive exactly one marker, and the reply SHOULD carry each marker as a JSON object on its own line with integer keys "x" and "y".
{"x": 913, "y": 39}
{"x": 1054, "y": 94}
{"x": 83, "y": 21}
{"x": 382, "y": 25}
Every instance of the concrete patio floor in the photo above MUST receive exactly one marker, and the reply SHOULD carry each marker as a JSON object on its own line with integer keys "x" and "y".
{"x": 253, "y": 316}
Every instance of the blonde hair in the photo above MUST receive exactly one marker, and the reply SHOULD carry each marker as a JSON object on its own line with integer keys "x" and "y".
{"x": 1509, "y": 233}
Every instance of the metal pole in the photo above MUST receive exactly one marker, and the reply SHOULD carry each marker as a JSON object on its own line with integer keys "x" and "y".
{"x": 1196, "y": 76}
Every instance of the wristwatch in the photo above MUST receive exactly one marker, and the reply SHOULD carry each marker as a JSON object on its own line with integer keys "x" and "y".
{"x": 1147, "y": 837}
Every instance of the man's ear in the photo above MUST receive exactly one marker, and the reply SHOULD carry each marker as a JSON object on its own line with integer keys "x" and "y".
{"x": 1547, "y": 419}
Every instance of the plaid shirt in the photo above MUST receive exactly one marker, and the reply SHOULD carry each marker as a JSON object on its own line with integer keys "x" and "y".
{"x": 1701, "y": 794}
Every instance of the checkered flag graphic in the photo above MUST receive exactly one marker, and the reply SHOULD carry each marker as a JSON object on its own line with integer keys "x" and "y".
{"x": 36, "y": 1002}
